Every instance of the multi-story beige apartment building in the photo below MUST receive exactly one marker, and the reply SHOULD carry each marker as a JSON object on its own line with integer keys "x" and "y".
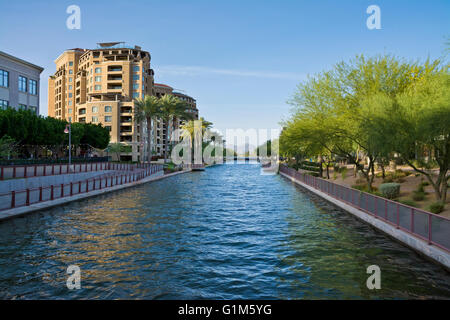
{"x": 99, "y": 86}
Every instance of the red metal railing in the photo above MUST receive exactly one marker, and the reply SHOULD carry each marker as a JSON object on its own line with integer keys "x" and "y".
{"x": 131, "y": 173}
{"x": 39, "y": 170}
{"x": 425, "y": 225}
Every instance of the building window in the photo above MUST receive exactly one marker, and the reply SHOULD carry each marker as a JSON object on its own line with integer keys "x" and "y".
{"x": 135, "y": 86}
{"x": 70, "y": 87}
{"x": 70, "y": 71}
{"x": 70, "y": 95}
{"x": 70, "y": 79}
{"x": 94, "y": 109}
{"x": 108, "y": 109}
{"x": 69, "y": 111}
{"x": 98, "y": 70}
{"x": 98, "y": 78}
{"x": 22, "y": 84}
{"x": 70, "y": 102}
{"x": 33, "y": 109}
{"x": 108, "y": 118}
{"x": 108, "y": 128}
{"x": 70, "y": 119}
{"x": 4, "y": 78}
{"x": 22, "y": 107}
{"x": 98, "y": 87}
{"x": 70, "y": 63}
{"x": 136, "y": 69}
{"x": 3, "y": 104}
{"x": 94, "y": 119}
{"x": 136, "y": 77}
{"x": 135, "y": 94}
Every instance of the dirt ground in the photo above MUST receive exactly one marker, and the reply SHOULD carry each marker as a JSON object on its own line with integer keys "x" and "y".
{"x": 410, "y": 184}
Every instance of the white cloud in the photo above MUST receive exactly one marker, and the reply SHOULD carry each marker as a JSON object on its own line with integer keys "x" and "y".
{"x": 200, "y": 71}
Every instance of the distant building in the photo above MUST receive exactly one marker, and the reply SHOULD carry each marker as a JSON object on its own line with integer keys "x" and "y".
{"x": 162, "y": 131}
{"x": 19, "y": 83}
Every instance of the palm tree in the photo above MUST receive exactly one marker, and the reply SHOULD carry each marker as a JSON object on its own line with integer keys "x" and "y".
{"x": 147, "y": 109}
{"x": 172, "y": 107}
{"x": 189, "y": 132}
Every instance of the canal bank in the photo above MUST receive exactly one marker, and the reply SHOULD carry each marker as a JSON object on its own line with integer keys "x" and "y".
{"x": 20, "y": 211}
{"x": 424, "y": 248}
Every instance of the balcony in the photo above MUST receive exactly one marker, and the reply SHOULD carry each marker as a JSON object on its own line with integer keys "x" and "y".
{"x": 114, "y": 88}
{"x": 126, "y": 110}
{"x": 115, "y": 69}
{"x": 126, "y": 130}
{"x": 126, "y": 139}
{"x": 114, "y": 78}
{"x": 124, "y": 120}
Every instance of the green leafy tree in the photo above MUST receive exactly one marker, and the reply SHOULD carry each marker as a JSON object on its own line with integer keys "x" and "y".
{"x": 147, "y": 109}
{"x": 172, "y": 108}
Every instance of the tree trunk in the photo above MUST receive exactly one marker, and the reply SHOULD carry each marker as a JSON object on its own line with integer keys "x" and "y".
{"x": 321, "y": 168}
{"x": 166, "y": 141}
{"x": 149, "y": 139}
{"x": 328, "y": 170}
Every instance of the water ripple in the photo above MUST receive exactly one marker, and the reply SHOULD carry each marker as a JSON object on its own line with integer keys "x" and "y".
{"x": 226, "y": 233}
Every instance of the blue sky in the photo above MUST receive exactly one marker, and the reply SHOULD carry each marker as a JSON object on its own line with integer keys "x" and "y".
{"x": 241, "y": 60}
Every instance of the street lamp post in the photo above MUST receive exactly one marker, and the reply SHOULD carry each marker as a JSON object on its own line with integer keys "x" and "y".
{"x": 69, "y": 131}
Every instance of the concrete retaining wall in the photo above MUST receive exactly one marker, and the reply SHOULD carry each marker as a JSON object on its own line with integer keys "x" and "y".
{"x": 15, "y": 212}
{"x": 432, "y": 252}
{"x": 36, "y": 182}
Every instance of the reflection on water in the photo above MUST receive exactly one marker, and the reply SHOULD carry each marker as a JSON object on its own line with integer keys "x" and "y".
{"x": 227, "y": 232}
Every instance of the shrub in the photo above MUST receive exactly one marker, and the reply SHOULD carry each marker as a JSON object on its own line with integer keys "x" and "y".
{"x": 418, "y": 195}
{"x": 334, "y": 175}
{"x": 365, "y": 188}
{"x": 359, "y": 187}
{"x": 436, "y": 207}
{"x": 425, "y": 183}
{"x": 390, "y": 190}
{"x": 314, "y": 174}
{"x": 388, "y": 179}
{"x": 408, "y": 202}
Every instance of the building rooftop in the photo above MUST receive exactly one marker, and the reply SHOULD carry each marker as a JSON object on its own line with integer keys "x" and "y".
{"x": 4, "y": 54}
{"x": 116, "y": 45}
{"x": 162, "y": 85}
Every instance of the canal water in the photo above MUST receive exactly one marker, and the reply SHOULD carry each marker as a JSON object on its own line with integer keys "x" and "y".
{"x": 225, "y": 233}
